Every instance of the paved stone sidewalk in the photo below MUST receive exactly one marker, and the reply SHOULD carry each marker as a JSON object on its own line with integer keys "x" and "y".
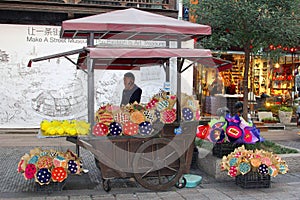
{"x": 89, "y": 186}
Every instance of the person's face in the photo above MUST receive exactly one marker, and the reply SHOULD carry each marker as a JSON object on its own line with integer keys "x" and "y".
{"x": 128, "y": 82}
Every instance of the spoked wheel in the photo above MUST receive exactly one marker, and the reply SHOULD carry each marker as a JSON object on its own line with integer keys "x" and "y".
{"x": 106, "y": 185}
{"x": 181, "y": 183}
{"x": 97, "y": 163}
{"x": 105, "y": 182}
{"x": 157, "y": 164}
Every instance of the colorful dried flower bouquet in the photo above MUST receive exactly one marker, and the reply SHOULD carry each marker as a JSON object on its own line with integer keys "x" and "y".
{"x": 49, "y": 165}
{"x": 242, "y": 161}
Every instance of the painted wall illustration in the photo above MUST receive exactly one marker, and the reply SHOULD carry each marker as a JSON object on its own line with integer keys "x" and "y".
{"x": 47, "y": 90}
{"x": 54, "y": 89}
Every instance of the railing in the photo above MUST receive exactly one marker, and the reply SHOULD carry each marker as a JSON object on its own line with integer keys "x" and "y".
{"x": 153, "y": 4}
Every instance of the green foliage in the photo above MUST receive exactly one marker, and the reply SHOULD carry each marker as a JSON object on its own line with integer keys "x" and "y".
{"x": 243, "y": 23}
{"x": 266, "y": 145}
{"x": 286, "y": 109}
{"x": 274, "y": 108}
{"x": 251, "y": 25}
{"x": 263, "y": 109}
{"x": 203, "y": 143}
{"x": 198, "y": 142}
{"x": 270, "y": 146}
{"x": 270, "y": 120}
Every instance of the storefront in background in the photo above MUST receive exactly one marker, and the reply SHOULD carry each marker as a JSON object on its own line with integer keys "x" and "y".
{"x": 215, "y": 89}
{"x": 275, "y": 80}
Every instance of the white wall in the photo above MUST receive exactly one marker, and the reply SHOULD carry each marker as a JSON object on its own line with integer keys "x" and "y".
{"x": 187, "y": 76}
{"x": 55, "y": 89}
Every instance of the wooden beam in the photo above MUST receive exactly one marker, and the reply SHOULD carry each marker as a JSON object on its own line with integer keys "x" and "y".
{"x": 57, "y": 7}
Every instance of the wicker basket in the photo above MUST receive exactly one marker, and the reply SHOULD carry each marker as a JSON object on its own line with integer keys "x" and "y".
{"x": 253, "y": 180}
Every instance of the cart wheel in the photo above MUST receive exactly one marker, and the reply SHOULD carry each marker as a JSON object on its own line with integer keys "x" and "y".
{"x": 106, "y": 185}
{"x": 97, "y": 163}
{"x": 157, "y": 164}
{"x": 181, "y": 183}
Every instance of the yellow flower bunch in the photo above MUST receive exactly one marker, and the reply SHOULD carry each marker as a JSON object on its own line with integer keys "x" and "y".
{"x": 64, "y": 128}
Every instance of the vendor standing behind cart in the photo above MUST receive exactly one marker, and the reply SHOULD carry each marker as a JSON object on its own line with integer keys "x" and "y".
{"x": 131, "y": 93}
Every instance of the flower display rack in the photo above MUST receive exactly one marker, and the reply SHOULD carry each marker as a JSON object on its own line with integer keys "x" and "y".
{"x": 253, "y": 180}
{"x": 223, "y": 149}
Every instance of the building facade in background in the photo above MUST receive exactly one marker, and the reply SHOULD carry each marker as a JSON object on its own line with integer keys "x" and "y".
{"x": 278, "y": 79}
{"x": 53, "y": 12}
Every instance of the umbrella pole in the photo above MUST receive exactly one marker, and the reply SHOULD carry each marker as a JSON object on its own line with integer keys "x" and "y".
{"x": 90, "y": 89}
{"x": 178, "y": 92}
{"x": 90, "y": 70}
{"x": 168, "y": 64}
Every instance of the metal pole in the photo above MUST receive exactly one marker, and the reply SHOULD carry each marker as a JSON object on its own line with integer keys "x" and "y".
{"x": 179, "y": 65}
{"x": 90, "y": 91}
{"x": 90, "y": 88}
{"x": 90, "y": 70}
{"x": 293, "y": 83}
{"x": 168, "y": 63}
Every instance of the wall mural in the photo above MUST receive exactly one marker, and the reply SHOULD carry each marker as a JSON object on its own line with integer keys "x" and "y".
{"x": 54, "y": 89}
{"x": 61, "y": 102}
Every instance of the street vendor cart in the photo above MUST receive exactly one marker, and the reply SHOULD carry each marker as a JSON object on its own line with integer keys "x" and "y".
{"x": 157, "y": 160}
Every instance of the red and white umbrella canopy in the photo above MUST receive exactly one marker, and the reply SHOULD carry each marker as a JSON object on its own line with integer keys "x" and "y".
{"x": 132, "y": 24}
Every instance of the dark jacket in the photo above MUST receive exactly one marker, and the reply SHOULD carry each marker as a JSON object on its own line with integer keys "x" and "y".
{"x": 130, "y": 96}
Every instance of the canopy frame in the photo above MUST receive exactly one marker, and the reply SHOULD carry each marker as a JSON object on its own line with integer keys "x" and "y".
{"x": 92, "y": 54}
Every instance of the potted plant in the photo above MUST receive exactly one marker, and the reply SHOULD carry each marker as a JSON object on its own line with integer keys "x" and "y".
{"x": 285, "y": 114}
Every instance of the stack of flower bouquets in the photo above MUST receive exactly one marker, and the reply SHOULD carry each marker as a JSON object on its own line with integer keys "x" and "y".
{"x": 47, "y": 166}
{"x": 231, "y": 129}
{"x": 133, "y": 119}
{"x": 243, "y": 161}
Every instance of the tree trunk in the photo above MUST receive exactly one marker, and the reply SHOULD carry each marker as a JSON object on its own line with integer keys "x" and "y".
{"x": 245, "y": 83}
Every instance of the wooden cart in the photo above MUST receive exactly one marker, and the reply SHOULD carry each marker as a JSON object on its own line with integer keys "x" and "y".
{"x": 157, "y": 162}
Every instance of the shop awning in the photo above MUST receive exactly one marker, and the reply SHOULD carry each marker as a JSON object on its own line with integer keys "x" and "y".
{"x": 215, "y": 62}
{"x": 132, "y": 24}
{"x": 125, "y": 58}
{"x": 122, "y": 58}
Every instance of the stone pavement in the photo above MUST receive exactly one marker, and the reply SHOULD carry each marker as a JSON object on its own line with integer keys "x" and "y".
{"x": 89, "y": 185}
